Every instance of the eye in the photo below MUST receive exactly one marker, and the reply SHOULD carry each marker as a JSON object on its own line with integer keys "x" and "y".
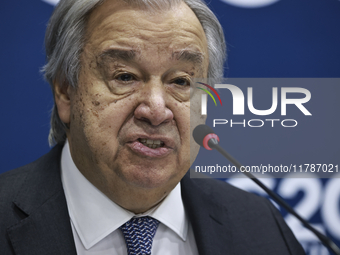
{"x": 182, "y": 81}
{"x": 125, "y": 77}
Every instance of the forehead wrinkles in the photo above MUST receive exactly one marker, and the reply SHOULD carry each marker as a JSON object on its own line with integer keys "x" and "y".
{"x": 120, "y": 7}
{"x": 175, "y": 31}
{"x": 149, "y": 41}
{"x": 127, "y": 21}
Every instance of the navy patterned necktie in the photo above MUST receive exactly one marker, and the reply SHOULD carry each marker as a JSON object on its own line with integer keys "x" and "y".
{"x": 138, "y": 234}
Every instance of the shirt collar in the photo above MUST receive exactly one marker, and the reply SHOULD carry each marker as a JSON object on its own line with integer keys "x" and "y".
{"x": 95, "y": 216}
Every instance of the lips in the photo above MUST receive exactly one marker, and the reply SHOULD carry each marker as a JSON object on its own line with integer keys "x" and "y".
{"x": 147, "y": 146}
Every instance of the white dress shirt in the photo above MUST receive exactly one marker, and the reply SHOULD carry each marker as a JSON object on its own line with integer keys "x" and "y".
{"x": 95, "y": 219}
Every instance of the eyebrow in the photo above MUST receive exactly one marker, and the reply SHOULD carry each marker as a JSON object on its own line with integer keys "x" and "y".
{"x": 119, "y": 54}
{"x": 194, "y": 57}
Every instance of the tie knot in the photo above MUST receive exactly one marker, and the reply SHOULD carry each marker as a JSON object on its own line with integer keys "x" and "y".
{"x": 138, "y": 234}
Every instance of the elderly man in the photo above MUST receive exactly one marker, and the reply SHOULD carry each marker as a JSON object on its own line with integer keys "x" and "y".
{"x": 116, "y": 181}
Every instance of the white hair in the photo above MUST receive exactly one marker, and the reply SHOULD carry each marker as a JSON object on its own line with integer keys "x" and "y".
{"x": 64, "y": 42}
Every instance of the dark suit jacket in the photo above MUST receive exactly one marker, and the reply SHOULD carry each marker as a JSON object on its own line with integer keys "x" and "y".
{"x": 34, "y": 217}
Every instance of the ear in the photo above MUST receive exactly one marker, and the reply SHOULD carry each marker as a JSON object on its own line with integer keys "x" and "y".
{"x": 63, "y": 101}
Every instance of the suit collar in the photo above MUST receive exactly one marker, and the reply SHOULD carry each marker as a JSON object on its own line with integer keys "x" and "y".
{"x": 209, "y": 218}
{"x": 46, "y": 228}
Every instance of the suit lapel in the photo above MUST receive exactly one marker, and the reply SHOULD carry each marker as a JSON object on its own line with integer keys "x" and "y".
{"x": 209, "y": 219}
{"x": 44, "y": 227}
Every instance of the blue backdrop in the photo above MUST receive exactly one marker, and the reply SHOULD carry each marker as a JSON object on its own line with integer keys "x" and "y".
{"x": 266, "y": 38}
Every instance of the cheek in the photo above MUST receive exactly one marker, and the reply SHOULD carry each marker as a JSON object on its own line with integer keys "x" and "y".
{"x": 195, "y": 111}
{"x": 195, "y": 119}
{"x": 100, "y": 117}
{"x": 182, "y": 117}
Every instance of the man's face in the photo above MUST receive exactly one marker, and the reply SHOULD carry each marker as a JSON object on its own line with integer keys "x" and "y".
{"x": 130, "y": 115}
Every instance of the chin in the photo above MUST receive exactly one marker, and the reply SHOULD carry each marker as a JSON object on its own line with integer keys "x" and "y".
{"x": 150, "y": 178}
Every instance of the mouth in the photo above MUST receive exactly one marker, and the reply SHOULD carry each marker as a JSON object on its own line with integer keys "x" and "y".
{"x": 153, "y": 144}
{"x": 151, "y": 147}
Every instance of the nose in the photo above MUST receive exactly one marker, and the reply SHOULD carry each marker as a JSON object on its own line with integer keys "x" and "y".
{"x": 152, "y": 106}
